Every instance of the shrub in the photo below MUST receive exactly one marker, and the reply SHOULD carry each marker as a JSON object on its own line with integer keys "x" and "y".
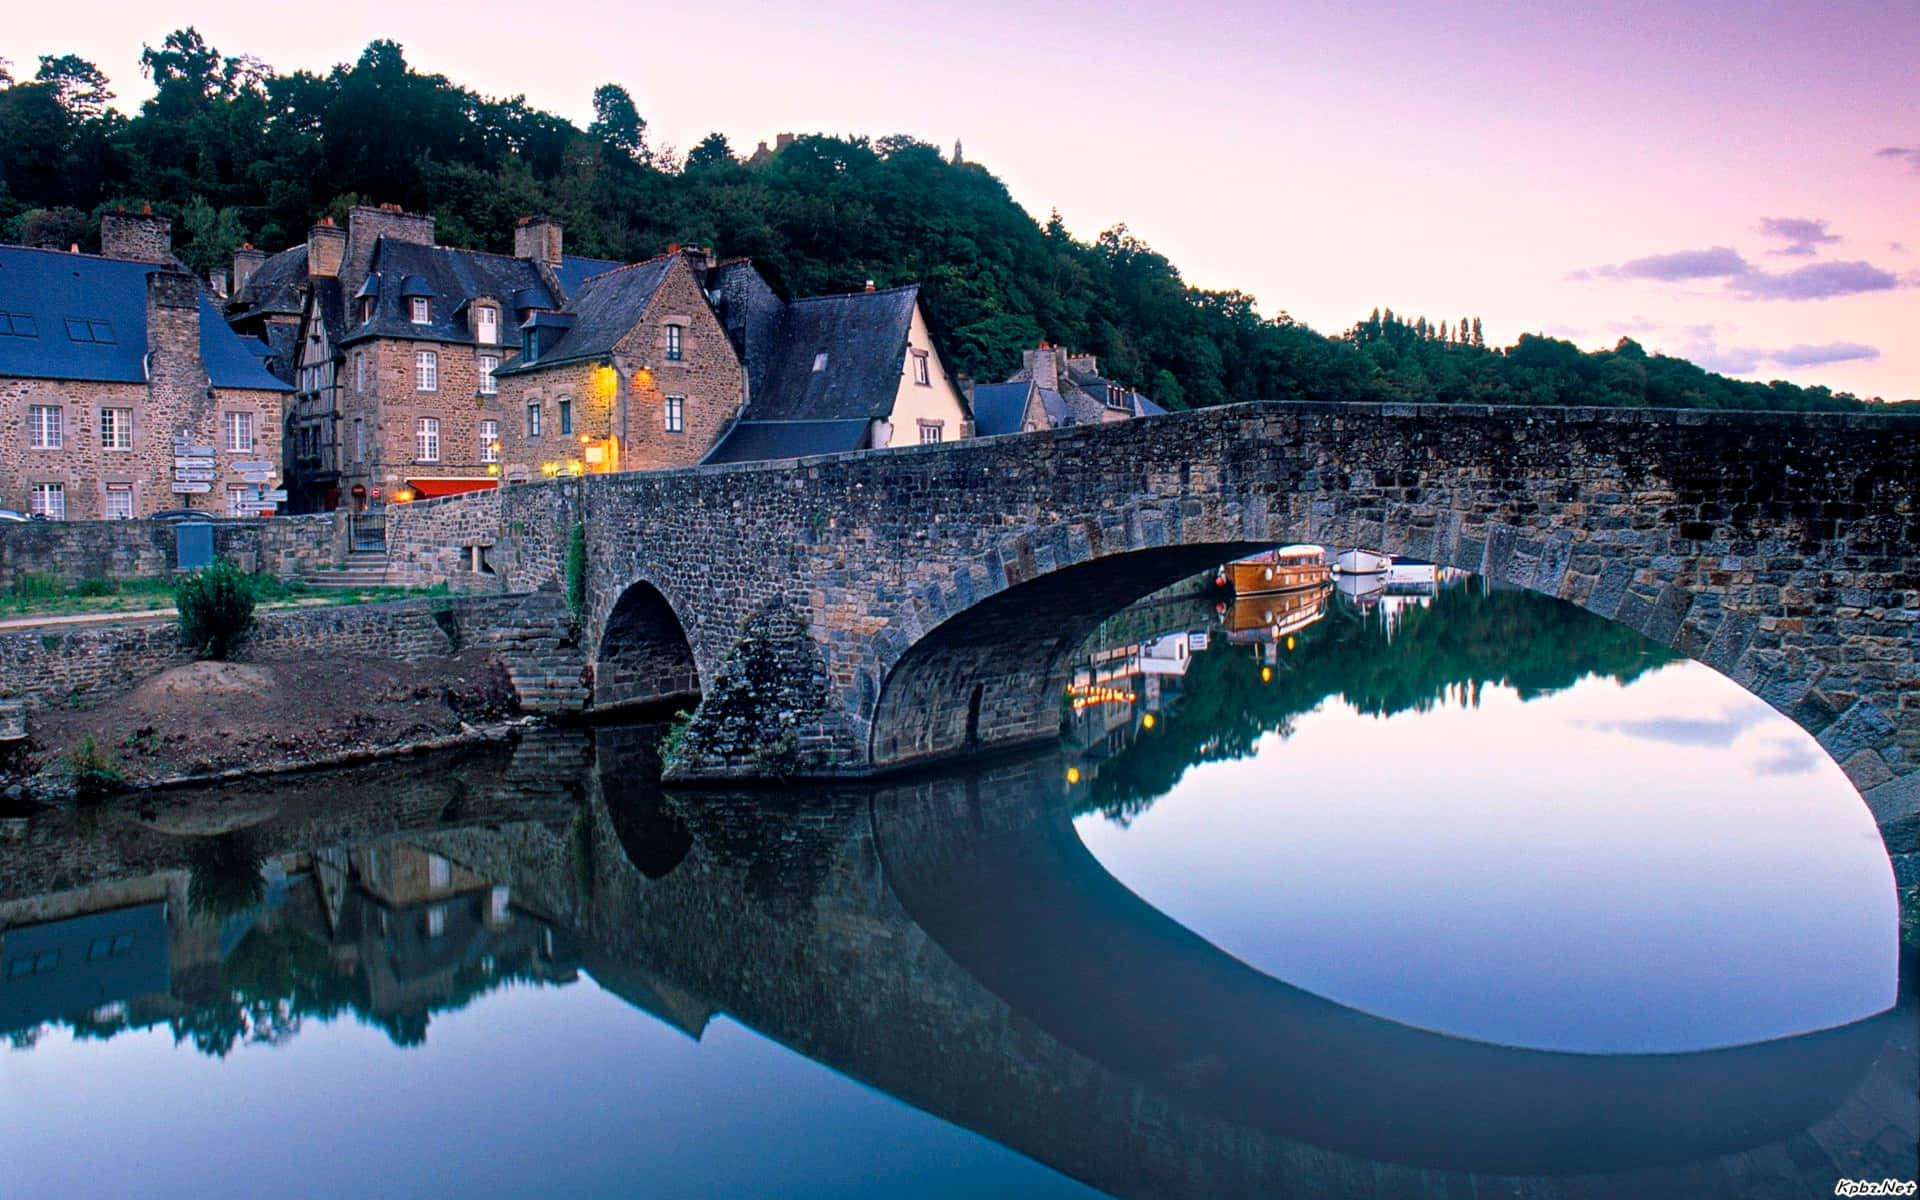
{"x": 96, "y": 587}
{"x": 38, "y": 585}
{"x": 216, "y": 608}
{"x": 577, "y": 571}
{"x": 92, "y": 769}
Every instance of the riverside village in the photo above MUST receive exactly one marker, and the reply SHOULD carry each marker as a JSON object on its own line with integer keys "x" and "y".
{"x": 873, "y": 695}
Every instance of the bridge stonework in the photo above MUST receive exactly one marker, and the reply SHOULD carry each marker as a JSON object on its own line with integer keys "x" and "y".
{"x": 854, "y": 612}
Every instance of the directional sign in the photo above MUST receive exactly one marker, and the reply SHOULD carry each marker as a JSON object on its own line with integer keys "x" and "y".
{"x": 256, "y": 476}
{"x": 254, "y": 466}
{"x": 274, "y": 497}
{"x": 196, "y": 476}
{"x": 181, "y": 461}
{"x": 181, "y": 487}
{"x": 198, "y": 452}
{"x": 254, "y": 507}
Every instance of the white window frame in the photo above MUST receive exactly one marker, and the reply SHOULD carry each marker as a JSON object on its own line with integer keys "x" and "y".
{"x": 922, "y": 376}
{"x": 489, "y": 441}
{"x": 46, "y": 427}
{"x": 47, "y": 500}
{"x": 426, "y": 371}
{"x": 533, "y": 419}
{"x": 426, "y": 439}
{"x": 486, "y": 325}
{"x": 676, "y": 343}
{"x": 420, "y": 311}
{"x": 116, "y": 429}
{"x": 238, "y": 494}
{"x": 675, "y": 415}
{"x": 932, "y": 433}
{"x": 236, "y": 431}
{"x": 117, "y": 491}
{"x": 489, "y": 363}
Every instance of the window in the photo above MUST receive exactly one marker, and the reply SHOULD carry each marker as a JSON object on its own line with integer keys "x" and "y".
{"x": 119, "y": 506}
{"x": 1116, "y": 396}
{"x": 426, "y": 371}
{"x": 489, "y": 363}
{"x": 437, "y": 921}
{"x": 673, "y": 343}
{"x": 366, "y": 309}
{"x": 426, "y": 439}
{"x": 676, "y": 414}
{"x": 238, "y": 427}
{"x": 820, "y": 361}
{"x": 439, "y": 872}
{"x": 533, "y": 419}
{"x": 420, "y": 311}
{"x": 48, "y": 500}
{"x": 13, "y": 324}
{"x": 84, "y": 329}
{"x": 920, "y": 375}
{"x": 929, "y": 432}
{"x": 359, "y": 371}
{"x": 489, "y": 441}
{"x": 566, "y": 417}
{"x": 238, "y": 494}
{"x": 44, "y": 427}
{"x": 486, "y": 325}
{"x": 359, "y": 439}
{"x": 116, "y": 429}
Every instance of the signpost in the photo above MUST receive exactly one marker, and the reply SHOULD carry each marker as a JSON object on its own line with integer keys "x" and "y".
{"x": 256, "y": 476}
{"x": 244, "y": 467}
{"x": 186, "y": 488}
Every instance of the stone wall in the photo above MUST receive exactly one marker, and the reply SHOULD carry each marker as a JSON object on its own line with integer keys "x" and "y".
{"x": 521, "y": 531}
{"x": 75, "y": 550}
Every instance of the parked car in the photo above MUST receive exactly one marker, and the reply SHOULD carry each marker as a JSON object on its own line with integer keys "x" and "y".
{"x": 7, "y": 514}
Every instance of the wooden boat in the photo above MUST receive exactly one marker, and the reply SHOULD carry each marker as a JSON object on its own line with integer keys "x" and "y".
{"x": 1287, "y": 569}
{"x": 1270, "y": 617}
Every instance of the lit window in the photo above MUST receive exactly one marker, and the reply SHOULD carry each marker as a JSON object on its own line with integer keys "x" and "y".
{"x": 44, "y": 428}
{"x": 238, "y": 428}
{"x": 676, "y": 414}
{"x": 673, "y": 343}
{"x": 426, "y": 439}
{"x": 486, "y": 325}
{"x": 426, "y": 370}
{"x": 48, "y": 500}
{"x": 929, "y": 432}
{"x": 119, "y": 506}
{"x": 422, "y": 312}
{"x": 116, "y": 429}
{"x": 489, "y": 363}
{"x": 566, "y": 417}
{"x": 820, "y": 361}
{"x": 489, "y": 441}
{"x": 920, "y": 374}
{"x": 533, "y": 419}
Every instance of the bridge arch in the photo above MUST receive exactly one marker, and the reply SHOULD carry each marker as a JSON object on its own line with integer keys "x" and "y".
{"x": 644, "y": 654}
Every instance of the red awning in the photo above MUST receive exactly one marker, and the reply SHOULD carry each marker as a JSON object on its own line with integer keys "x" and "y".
{"x": 427, "y": 489}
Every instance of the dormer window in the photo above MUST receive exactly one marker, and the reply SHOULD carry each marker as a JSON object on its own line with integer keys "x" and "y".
{"x": 673, "y": 343}
{"x": 1116, "y": 396}
{"x": 421, "y": 311}
{"x": 486, "y": 325}
{"x": 366, "y": 309}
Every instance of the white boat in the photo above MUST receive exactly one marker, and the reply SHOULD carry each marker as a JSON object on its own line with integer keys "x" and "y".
{"x": 1412, "y": 573}
{"x": 1360, "y": 562}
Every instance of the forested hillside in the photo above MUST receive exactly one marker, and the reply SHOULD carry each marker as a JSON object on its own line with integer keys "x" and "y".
{"x": 236, "y": 152}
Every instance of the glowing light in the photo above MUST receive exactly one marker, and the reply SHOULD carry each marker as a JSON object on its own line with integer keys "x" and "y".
{"x": 1073, "y": 774}
{"x": 1289, "y": 641}
{"x": 549, "y": 469}
{"x": 402, "y": 496}
{"x": 1146, "y": 722}
{"x": 493, "y": 468}
{"x": 1266, "y": 674}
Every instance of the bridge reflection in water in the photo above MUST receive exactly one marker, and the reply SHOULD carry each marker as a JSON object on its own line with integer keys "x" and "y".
{"x": 946, "y": 938}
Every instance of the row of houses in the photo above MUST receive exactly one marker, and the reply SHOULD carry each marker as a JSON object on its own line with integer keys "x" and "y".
{"x": 372, "y": 365}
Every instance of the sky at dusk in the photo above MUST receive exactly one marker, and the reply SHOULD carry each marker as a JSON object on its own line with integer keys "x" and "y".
{"x": 1733, "y": 183}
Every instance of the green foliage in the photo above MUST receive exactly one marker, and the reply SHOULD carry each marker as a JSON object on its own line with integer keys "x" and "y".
{"x": 674, "y": 737}
{"x": 236, "y": 152}
{"x": 215, "y": 608}
{"x": 577, "y": 571}
{"x": 92, "y": 769}
{"x": 224, "y": 877}
{"x": 95, "y": 587}
{"x": 37, "y": 585}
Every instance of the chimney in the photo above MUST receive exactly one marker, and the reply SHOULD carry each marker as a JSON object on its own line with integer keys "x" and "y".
{"x": 869, "y": 285}
{"x": 326, "y": 250}
{"x": 367, "y": 225}
{"x": 781, "y": 141}
{"x": 1042, "y": 367}
{"x": 540, "y": 238}
{"x": 177, "y": 384}
{"x": 137, "y": 237}
{"x": 247, "y": 260}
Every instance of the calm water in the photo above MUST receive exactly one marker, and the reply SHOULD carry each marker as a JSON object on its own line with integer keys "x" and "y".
{"x": 1360, "y": 895}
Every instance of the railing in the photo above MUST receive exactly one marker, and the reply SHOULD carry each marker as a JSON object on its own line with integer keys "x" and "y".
{"x": 366, "y": 531}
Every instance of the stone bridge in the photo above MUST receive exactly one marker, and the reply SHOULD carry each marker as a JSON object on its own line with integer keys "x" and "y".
{"x": 853, "y": 613}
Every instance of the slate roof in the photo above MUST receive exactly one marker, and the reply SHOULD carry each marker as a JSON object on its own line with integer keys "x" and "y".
{"x": 863, "y": 334}
{"x": 80, "y": 316}
{"x": 1056, "y": 406}
{"x": 572, "y": 272}
{"x": 758, "y": 441}
{"x": 454, "y": 279}
{"x": 1000, "y": 408}
{"x": 273, "y": 290}
{"x": 604, "y": 309}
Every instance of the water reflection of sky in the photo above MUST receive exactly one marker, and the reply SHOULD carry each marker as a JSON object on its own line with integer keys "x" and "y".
{"x": 1667, "y": 865}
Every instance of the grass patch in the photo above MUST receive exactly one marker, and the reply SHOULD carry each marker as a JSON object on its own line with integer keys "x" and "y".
{"x": 92, "y": 769}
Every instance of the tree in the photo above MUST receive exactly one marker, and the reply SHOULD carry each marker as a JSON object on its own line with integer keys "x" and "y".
{"x": 711, "y": 151}
{"x": 77, "y": 84}
{"x": 617, "y": 122}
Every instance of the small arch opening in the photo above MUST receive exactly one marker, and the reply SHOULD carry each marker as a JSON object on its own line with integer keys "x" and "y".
{"x": 645, "y": 658}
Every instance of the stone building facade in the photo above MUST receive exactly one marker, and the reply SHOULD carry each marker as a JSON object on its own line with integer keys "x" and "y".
{"x": 114, "y": 366}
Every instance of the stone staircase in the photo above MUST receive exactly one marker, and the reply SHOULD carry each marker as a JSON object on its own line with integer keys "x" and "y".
{"x": 364, "y": 569}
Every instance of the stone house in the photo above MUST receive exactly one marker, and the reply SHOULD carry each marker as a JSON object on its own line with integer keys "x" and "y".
{"x": 636, "y": 373}
{"x": 394, "y": 349}
{"x": 114, "y": 365}
{"x": 1073, "y": 392}
{"x": 832, "y": 373}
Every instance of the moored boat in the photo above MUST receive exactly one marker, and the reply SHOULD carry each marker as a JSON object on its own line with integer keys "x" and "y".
{"x": 1356, "y": 561}
{"x": 1287, "y": 569}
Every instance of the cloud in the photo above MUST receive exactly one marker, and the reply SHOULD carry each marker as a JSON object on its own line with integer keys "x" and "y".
{"x": 1638, "y": 324}
{"x": 1907, "y": 154}
{"x": 1788, "y": 759}
{"x": 1817, "y": 356}
{"x": 1801, "y": 234}
{"x": 1677, "y": 730}
{"x": 1718, "y": 262}
{"x": 1815, "y": 281}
